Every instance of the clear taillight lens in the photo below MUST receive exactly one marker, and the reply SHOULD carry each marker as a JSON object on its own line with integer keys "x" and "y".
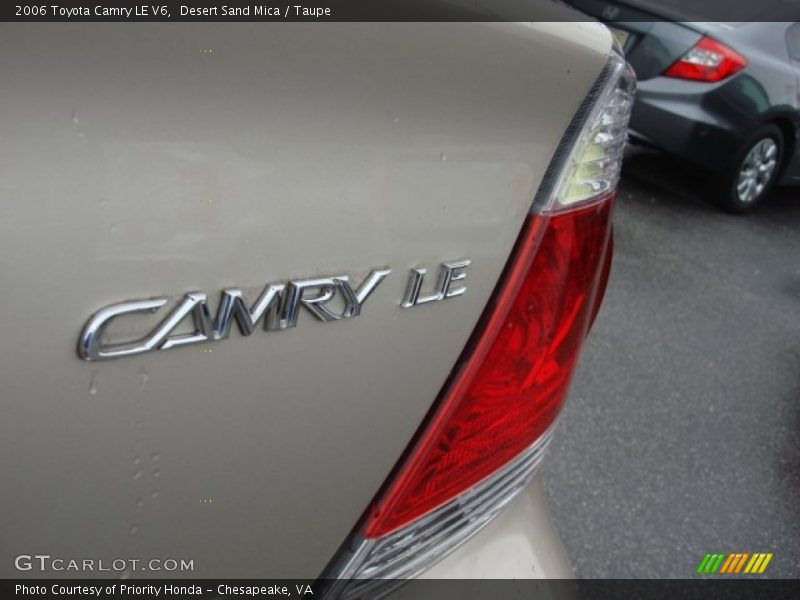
{"x": 492, "y": 421}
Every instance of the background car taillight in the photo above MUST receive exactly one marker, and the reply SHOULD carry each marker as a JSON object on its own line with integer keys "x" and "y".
{"x": 492, "y": 421}
{"x": 708, "y": 60}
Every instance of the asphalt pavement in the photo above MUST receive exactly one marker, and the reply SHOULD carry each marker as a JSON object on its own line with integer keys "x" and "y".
{"x": 681, "y": 435}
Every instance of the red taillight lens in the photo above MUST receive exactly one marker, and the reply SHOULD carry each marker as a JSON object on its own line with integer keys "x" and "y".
{"x": 510, "y": 388}
{"x": 492, "y": 420}
{"x": 709, "y": 60}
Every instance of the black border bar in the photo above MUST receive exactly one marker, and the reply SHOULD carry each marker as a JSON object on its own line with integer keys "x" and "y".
{"x": 391, "y": 10}
{"x": 744, "y": 587}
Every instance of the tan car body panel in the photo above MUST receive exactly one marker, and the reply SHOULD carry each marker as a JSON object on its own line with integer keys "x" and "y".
{"x": 137, "y": 164}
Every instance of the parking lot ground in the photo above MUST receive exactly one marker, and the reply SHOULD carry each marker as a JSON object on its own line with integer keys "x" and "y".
{"x": 681, "y": 435}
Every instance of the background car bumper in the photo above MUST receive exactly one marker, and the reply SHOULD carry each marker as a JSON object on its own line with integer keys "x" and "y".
{"x": 681, "y": 118}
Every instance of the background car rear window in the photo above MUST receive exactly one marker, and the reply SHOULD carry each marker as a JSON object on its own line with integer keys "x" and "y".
{"x": 793, "y": 41}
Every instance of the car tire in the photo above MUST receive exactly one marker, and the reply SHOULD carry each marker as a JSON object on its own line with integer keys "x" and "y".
{"x": 755, "y": 170}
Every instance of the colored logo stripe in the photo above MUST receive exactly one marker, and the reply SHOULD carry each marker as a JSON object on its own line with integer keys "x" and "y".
{"x": 758, "y": 563}
{"x": 710, "y": 563}
{"x": 734, "y": 563}
{"x": 729, "y": 564}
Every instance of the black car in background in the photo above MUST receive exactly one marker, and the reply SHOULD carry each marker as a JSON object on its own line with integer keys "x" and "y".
{"x": 723, "y": 95}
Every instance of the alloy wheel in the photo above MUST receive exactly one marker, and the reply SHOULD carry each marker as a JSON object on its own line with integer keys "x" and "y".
{"x": 757, "y": 169}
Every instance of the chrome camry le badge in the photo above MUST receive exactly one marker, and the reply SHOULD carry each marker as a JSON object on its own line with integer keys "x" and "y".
{"x": 277, "y": 306}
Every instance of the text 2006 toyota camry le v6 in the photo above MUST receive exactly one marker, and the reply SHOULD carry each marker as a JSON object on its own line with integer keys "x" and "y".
{"x": 306, "y": 305}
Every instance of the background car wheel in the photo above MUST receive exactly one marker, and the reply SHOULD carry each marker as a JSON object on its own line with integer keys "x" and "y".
{"x": 755, "y": 170}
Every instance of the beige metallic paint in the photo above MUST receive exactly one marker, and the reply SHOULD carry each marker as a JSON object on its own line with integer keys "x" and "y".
{"x": 135, "y": 164}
